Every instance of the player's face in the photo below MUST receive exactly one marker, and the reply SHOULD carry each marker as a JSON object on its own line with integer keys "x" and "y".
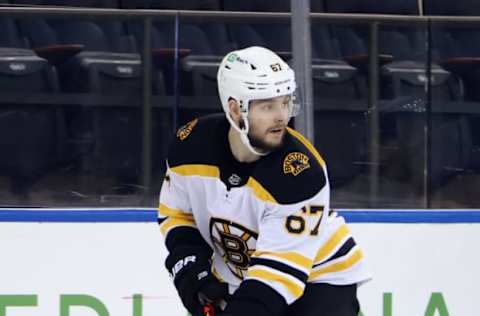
{"x": 268, "y": 121}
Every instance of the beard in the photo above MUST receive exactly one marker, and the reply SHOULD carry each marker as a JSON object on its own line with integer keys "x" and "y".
{"x": 264, "y": 146}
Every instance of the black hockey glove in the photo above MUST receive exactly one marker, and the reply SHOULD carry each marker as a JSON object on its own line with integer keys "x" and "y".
{"x": 192, "y": 276}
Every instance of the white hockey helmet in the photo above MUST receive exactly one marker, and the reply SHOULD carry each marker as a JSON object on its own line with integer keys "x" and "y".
{"x": 254, "y": 73}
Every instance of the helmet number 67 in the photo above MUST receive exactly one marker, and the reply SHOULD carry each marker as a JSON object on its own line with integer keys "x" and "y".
{"x": 276, "y": 67}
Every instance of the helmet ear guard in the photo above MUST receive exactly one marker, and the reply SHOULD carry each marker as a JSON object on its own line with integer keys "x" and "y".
{"x": 254, "y": 73}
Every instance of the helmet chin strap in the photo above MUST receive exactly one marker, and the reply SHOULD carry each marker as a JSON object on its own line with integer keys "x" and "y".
{"x": 244, "y": 133}
{"x": 246, "y": 141}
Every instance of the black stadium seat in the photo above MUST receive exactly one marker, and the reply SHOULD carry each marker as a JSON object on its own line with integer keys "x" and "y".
{"x": 276, "y": 36}
{"x": 30, "y": 134}
{"x": 202, "y": 46}
{"x": 456, "y": 50}
{"x": 453, "y": 45}
{"x": 402, "y": 47}
{"x": 341, "y": 104}
{"x": 403, "y": 69}
{"x": 107, "y": 64}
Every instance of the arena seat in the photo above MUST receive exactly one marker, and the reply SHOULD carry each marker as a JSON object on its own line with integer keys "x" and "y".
{"x": 276, "y": 36}
{"x": 340, "y": 101}
{"x": 404, "y": 44}
{"x": 453, "y": 45}
{"x": 202, "y": 46}
{"x": 403, "y": 76}
{"x": 456, "y": 51}
{"x": 30, "y": 134}
{"x": 109, "y": 65}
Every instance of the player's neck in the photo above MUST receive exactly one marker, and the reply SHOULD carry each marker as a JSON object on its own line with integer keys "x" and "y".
{"x": 239, "y": 150}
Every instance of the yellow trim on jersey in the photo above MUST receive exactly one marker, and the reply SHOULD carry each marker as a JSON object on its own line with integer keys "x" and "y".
{"x": 197, "y": 170}
{"x": 217, "y": 275}
{"x": 293, "y": 257}
{"x": 338, "y": 266}
{"x": 172, "y": 222}
{"x": 307, "y": 144}
{"x": 176, "y": 217}
{"x": 295, "y": 289}
{"x": 259, "y": 191}
{"x": 333, "y": 242}
{"x": 173, "y": 212}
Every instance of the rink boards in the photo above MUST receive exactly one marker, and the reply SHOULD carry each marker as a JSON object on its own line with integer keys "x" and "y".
{"x": 99, "y": 262}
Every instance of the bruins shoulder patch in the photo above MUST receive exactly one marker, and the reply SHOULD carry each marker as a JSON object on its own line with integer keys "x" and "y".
{"x": 295, "y": 163}
{"x": 184, "y": 131}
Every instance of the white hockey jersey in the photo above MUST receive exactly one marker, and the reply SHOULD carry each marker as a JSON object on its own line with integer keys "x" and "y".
{"x": 269, "y": 220}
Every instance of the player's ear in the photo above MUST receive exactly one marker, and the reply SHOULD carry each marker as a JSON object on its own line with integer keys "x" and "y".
{"x": 234, "y": 108}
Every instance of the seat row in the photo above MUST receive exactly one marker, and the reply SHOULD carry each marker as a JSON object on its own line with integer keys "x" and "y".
{"x": 104, "y": 57}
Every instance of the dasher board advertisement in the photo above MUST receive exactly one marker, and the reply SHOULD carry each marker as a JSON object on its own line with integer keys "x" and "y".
{"x": 110, "y": 262}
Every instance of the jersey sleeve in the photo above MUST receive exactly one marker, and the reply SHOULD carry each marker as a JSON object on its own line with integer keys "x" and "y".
{"x": 174, "y": 209}
{"x": 289, "y": 238}
{"x": 305, "y": 242}
{"x": 176, "y": 220}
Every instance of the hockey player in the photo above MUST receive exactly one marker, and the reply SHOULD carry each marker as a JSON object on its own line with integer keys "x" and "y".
{"x": 245, "y": 210}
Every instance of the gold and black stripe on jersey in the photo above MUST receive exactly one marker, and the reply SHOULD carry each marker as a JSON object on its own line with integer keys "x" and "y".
{"x": 288, "y": 175}
{"x": 179, "y": 229}
{"x": 339, "y": 253}
{"x": 289, "y": 270}
{"x": 170, "y": 218}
